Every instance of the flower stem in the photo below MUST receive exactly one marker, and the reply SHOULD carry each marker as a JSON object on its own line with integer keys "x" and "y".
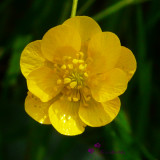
{"x": 74, "y": 8}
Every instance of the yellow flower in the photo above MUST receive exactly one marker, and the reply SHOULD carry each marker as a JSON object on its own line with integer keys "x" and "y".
{"x": 75, "y": 75}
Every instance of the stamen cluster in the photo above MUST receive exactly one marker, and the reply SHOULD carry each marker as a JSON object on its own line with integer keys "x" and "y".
{"x": 73, "y": 76}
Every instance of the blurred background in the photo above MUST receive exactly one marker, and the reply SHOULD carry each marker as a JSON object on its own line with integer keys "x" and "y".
{"x": 135, "y": 131}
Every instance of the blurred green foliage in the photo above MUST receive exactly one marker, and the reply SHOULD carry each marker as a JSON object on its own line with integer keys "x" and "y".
{"x": 135, "y": 130}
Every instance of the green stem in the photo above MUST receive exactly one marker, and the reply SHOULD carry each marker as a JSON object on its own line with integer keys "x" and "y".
{"x": 65, "y": 11}
{"x": 74, "y": 8}
{"x": 112, "y": 9}
{"x": 116, "y": 7}
{"x": 85, "y": 7}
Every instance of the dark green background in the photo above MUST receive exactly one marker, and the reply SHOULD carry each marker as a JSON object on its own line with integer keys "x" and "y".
{"x": 136, "y": 129}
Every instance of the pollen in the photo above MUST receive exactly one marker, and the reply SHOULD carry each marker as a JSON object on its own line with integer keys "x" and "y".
{"x": 73, "y": 84}
{"x": 80, "y": 61}
{"x": 81, "y": 67}
{"x": 75, "y": 99}
{"x": 85, "y": 74}
{"x": 70, "y": 98}
{"x": 81, "y": 54}
{"x": 59, "y": 81}
{"x": 63, "y": 66}
{"x": 70, "y": 66}
{"x": 67, "y": 80}
{"x": 75, "y": 61}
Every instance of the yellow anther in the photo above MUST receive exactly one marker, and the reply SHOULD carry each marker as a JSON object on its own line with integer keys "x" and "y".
{"x": 70, "y": 66}
{"x": 75, "y": 99}
{"x": 66, "y": 58}
{"x": 59, "y": 81}
{"x": 81, "y": 67}
{"x": 73, "y": 84}
{"x": 81, "y": 54}
{"x": 75, "y": 61}
{"x": 67, "y": 80}
{"x": 70, "y": 98}
{"x": 85, "y": 74}
{"x": 80, "y": 61}
{"x": 63, "y": 66}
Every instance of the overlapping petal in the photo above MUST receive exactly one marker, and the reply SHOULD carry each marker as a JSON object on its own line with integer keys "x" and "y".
{"x": 31, "y": 58}
{"x": 36, "y": 109}
{"x": 60, "y": 41}
{"x": 64, "y": 117}
{"x": 85, "y": 26}
{"x": 96, "y": 114}
{"x": 109, "y": 85}
{"x": 43, "y": 83}
{"x": 103, "y": 52}
{"x": 127, "y": 62}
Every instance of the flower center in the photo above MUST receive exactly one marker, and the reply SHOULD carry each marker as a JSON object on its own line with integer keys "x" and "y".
{"x": 73, "y": 75}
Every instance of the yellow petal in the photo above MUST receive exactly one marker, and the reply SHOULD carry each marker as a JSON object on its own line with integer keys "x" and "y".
{"x": 96, "y": 114}
{"x": 31, "y": 58}
{"x": 103, "y": 52}
{"x": 43, "y": 83}
{"x": 60, "y": 41}
{"x": 127, "y": 62}
{"x": 86, "y": 27}
{"x": 36, "y": 109}
{"x": 32, "y": 87}
{"x": 64, "y": 117}
{"x": 109, "y": 85}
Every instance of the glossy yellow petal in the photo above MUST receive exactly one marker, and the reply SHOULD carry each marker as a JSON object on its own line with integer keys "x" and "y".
{"x": 31, "y": 58}
{"x": 86, "y": 26}
{"x": 64, "y": 117}
{"x": 60, "y": 41}
{"x": 96, "y": 114}
{"x": 32, "y": 87}
{"x": 36, "y": 109}
{"x": 103, "y": 52}
{"x": 127, "y": 62}
{"x": 43, "y": 83}
{"x": 109, "y": 85}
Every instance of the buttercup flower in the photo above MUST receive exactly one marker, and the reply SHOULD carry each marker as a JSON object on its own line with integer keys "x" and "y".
{"x": 75, "y": 75}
